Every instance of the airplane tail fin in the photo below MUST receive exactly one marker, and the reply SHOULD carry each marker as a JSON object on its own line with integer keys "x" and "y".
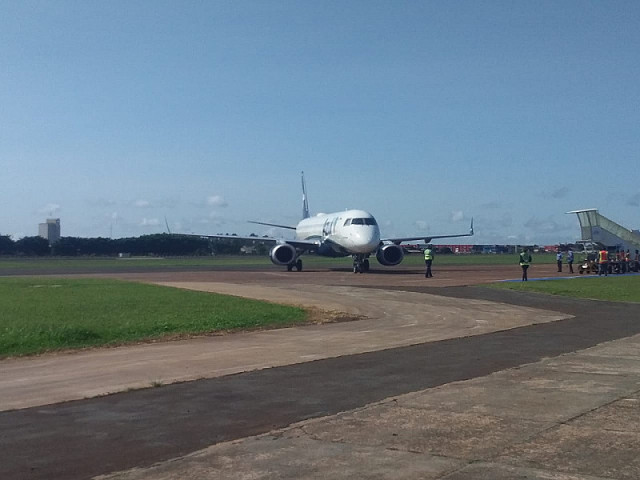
{"x": 305, "y": 204}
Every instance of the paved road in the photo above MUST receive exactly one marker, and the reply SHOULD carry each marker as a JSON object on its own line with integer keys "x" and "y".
{"x": 83, "y": 438}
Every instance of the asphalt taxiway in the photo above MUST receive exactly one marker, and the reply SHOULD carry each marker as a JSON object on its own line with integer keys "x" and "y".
{"x": 433, "y": 382}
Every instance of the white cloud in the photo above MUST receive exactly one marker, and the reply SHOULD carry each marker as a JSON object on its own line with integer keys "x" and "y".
{"x": 634, "y": 200}
{"x": 547, "y": 225}
{"x": 421, "y": 224}
{"x": 101, "y": 202}
{"x": 491, "y": 205}
{"x": 216, "y": 201}
{"x": 142, "y": 203}
{"x": 457, "y": 215}
{"x": 560, "y": 192}
{"x": 50, "y": 209}
{"x": 149, "y": 222}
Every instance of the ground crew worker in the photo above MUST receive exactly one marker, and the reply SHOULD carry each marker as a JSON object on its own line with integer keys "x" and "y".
{"x": 627, "y": 261}
{"x": 603, "y": 263}
{"x": 570, "y": 259}
{"x": 525, "y": 260}
{"x": 559, "y": 259}
{"x": 428, "y": 260}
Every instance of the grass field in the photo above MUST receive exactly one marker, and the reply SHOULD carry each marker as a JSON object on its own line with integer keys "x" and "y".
{"x": 93, "y": 264}
{"x": 43, "y": 314}
{"x": 611, "y": 288}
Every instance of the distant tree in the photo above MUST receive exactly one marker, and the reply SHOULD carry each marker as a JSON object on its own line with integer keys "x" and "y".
{"x": 73, "y": 246}
{"x": 66, "y": 246}
{"x": 164, "y": 244}
{"x": 261, "y": 248}
{"x": 7, "y": 245}
{"x": 227, "y": 246}
{"x": 32, "y": 246}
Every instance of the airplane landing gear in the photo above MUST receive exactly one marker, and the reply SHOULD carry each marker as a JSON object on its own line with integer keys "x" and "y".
{"x": 360, "y": 263}
{"x": 297, "y": 264}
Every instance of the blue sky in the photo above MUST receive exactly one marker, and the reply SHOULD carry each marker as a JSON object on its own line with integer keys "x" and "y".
{"x": 116, "y": 114}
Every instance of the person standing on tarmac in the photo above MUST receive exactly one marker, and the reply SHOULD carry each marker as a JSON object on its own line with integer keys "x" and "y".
{"x": 570, "y": 260}
{"x": 603, "y": 263}
{"x": 559, "y": 260}
{"x": 620, "y": 260}
{"x": 428, "y": 260}
{"x": 525, "y": 261}
{"x": 627, "y": 261}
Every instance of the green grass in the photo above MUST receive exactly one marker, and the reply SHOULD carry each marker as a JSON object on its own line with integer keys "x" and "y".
{"x": 93, "y": 264}
{"x": 611, "y": 288}
{"x": 45, "y": 314}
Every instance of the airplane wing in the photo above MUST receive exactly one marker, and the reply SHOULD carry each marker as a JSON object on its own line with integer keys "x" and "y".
{"x": 300, "y": 244}
{"x": 427, "y": 238}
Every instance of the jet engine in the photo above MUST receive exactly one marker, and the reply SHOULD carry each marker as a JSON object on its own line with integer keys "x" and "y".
{"x": 282, "y": 254}
{"x": 389, "y": 255}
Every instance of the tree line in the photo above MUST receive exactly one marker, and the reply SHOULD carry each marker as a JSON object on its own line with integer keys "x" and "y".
{"x": 162, "y": 244}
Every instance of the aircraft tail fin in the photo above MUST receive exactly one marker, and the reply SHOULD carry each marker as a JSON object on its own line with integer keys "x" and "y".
{"x": 305, "y": 204}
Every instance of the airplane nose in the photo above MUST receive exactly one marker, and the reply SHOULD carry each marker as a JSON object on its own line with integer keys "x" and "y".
{"x": 367, "y": 240}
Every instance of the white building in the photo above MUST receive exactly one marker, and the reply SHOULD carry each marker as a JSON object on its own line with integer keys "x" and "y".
{"x": 50, "y": 230}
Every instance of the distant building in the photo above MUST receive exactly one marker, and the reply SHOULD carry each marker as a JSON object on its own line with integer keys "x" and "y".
{"x": 50, "y": 230}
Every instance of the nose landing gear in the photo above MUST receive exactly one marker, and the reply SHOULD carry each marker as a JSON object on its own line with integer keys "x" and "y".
{"x": 360, "y": 263}
{"x": 297, "y": 264}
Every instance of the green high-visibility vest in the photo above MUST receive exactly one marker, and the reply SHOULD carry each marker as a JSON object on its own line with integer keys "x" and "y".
{"x": 428, "y": 254}
{"x": 525, "y": 258}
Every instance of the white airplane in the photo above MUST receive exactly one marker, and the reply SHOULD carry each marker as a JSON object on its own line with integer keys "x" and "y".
{"x": 339, "y": 234}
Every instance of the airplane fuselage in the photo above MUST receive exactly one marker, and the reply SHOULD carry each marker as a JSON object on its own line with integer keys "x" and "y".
{"x": 341, "y": 233}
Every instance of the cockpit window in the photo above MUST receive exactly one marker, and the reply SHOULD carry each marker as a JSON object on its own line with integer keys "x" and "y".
{"x": 363, "y": 221}
{"x": 347, "y": 222}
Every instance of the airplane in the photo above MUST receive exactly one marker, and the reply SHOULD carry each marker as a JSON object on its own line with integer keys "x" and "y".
{"x": 338, "y": 234}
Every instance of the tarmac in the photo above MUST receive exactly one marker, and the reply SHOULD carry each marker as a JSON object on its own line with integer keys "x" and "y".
{"x": 432, "y": 380}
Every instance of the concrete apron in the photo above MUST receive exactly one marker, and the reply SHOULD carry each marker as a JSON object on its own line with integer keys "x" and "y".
{"x": 393, "y": 319}
{"x": 571, "y": 417}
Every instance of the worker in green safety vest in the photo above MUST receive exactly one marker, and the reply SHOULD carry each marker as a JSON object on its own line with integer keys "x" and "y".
{"x": 525, "y": 261}
{"x": 428, "y": 260}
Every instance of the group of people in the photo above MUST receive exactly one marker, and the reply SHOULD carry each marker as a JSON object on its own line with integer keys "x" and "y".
{"x": 619, "y": 262}
{"x": 525, "y": 261}
{"x": 570, "y": 257}
{"x": 622, "y": 260}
